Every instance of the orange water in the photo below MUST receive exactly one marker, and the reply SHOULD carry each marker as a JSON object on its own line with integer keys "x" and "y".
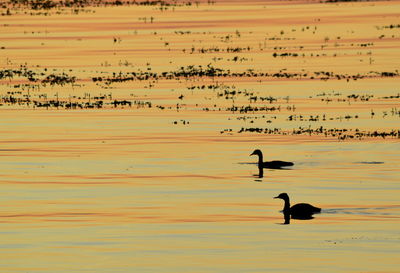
{"x": 128, "y": 190}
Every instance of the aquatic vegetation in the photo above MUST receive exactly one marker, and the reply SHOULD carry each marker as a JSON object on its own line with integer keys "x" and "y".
{"x": 157, "y": 63}
{"x": 22, "y": 72}
{"x": 49, "y": 7}
{"x": 61, "y": 79}
{"x": 193, "y": 71}
{"x": 340, "y": 134}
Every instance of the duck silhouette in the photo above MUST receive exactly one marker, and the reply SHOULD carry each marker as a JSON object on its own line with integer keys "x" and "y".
{"x": 300, "y": 211}
{"x": 276, "y": 164}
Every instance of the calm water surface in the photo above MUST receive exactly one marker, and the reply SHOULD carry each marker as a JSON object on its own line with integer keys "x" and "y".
{"x": 171, "y": 187}
{"x": 88, "y": 192}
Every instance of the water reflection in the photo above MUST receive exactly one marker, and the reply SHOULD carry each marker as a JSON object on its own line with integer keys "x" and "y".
{"x": 287, "y": 217}
{"x": 388, "y": 210}
{"x": 260, "y": 172}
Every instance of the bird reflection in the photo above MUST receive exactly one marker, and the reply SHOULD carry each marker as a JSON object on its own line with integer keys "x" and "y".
{"x": 287, "y": 217}
{"x": 260, "y": 172}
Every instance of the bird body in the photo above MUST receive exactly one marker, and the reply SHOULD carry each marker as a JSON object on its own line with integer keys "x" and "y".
{"x": 303, "y": 210}
{"x": 299, "y": 211}
{"x": 276, "y": 164}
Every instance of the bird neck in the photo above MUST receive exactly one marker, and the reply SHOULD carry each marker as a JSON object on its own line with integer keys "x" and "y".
{"x": 260, "y": 159}
{"x": 287, "y": 205}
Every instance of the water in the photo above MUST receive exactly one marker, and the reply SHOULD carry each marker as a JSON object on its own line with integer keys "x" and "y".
{"x": 145, "y": 189}
{"x": 113, "y": 200}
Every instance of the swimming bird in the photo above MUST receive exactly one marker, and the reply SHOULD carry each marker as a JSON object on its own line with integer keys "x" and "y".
{"x": 299, "y": 211}
{"x": 276, "y": 164}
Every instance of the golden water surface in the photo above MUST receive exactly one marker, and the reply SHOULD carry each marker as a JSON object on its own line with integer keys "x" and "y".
{"x": 123, "y": 150}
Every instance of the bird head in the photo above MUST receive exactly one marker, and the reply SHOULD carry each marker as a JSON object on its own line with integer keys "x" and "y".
{"x": 256, "y": 152}
{"x": 283, "y": 196}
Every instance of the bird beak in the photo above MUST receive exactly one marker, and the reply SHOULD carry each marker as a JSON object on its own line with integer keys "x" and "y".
{"x": 276, "y": 197}
{"x": 253, "y": 153}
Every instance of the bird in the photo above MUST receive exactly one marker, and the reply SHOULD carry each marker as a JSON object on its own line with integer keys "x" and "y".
{"x": 276, "y": 164}
{"x": 301, "y": 211}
